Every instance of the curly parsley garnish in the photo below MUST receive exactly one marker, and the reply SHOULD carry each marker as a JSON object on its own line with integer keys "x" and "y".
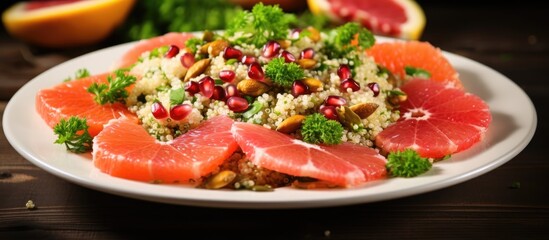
{"x": 74, "y": 134}
{"x": 348, "y": 38}
{"x": 282, "y": 73}
{"x": 115, "y": 91}
{"x": 80, "y": 73}
{"x": 407, "y": 164}
{"x": 318, "y": 129}
{"x": 262, "y": 24}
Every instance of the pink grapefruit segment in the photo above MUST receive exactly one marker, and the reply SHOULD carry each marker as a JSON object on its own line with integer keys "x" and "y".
{"x": 132, "y": 55}
{"x": 436, "y": 120}
{"x": 344, "y": 164}
{"x": 395, "y": 56}
{"x": 72, "y": 99}
{"x": 124, "y": 149}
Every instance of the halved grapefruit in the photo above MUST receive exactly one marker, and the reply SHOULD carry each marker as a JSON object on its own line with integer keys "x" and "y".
{"x": 132, "y": 55}
{"x": 343, "y": 164}
{"x": 396, "y": 56}
{"x": 436, "y": 121}
{"x": 396, "y": 18}
{"x": 124, "y": 149}
{"x": 72, "y": 99}
{"x": 65, "y": 23}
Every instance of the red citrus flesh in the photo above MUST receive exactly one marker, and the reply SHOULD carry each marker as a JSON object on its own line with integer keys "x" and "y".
{"x": 395, "y": 56}
{"x": 343, "y": 164}
{"x": 436, "y": 121}
{"x": 132, "y": 55}
{"x": 72, "y": 99}
{"x": 125, "y": 149}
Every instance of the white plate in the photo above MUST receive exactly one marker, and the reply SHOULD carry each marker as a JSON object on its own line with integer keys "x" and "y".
{"x": 513, "y": 126}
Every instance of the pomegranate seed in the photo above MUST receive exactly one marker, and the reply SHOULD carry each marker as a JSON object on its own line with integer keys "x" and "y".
{"x": 231, "y": 52}
{"x": 158, "y": 110}
{"x": 299, "y": 88}
{"x": 336, "y": 101}
{"x": 307, "y": 53}
{"x": 206, "y": 85}
{"x": 288, "y": 57}
{"x": 247, "y": 59}
{"x": 172, "y": 51}
{"x": 329, "y": 112}
{"x": 344, "y": 72}
{"x": 374, "y": 87}
{"x": 270, "y": 49}
{"x": 349, "y": 83}
{"x": 192, "y": 87}
{"x": 180, "y": 111}
{"x": 294, "y": 34}
{"x": 231, "y": 91}
{"x": 237, "y": 104}
{"x": 255, "y": 72}
{"x": 187, "y": 60}
{"x": 218, "y": 93}
{"x": 227, "y": 75}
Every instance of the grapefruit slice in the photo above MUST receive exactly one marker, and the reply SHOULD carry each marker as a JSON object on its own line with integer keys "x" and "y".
{"x": 344, "y": 164}
{"x": 65, "y": 23}
{"x": 72, "y": 99}
{"x": 396, "y": 18}
{"x": 396, "y": 56}
{"x": 124, "y": 149}
{"x": 132, "y": 55}
{"x": 436, "y": 121}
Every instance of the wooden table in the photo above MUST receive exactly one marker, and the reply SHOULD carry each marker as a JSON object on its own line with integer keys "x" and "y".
{"x": 512, "y": 39}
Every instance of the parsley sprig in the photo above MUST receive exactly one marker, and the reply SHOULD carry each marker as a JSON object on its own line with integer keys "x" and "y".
{"x": 407, "y": 163}
{"x": 318, "y": 129}
{"x": 260, "y": 25}
{"x": 282, "y": 73}
{"x": 74, "y": 134}
{"x": 115, "y": 91}
{"x": 347, "y": 38}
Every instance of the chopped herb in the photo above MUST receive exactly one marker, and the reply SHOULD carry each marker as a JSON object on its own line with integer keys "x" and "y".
{"x": 80, "y": 73}
{"x": 193, "y": 43}
{"x": 417, "y": 72}
{"x": 256, "y": 107}
{"x": 74, "y": 134}
{"x": 318, "y": 129}
{"x": 115, "y": 91}
{"x": 230, "y": 61}
{"x": 282, "y": 73}
{"x": 177, "y": 96}
{"x": 260, "y": 25}
{"x": 158, "y": 52}
{"x": 407, "y": 164}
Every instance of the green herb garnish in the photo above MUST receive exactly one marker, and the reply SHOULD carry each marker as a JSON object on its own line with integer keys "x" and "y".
{"x": 260, "y": 25}
{"x": 74, "y": 134}
{"x": 177, "y": 96}
{"x": 417, "y": 72}
{"x": 407, "y": 164}
{"x": 115, "y": 91}
{"x": 193, "y": 43}
{"x": 80, "y": 73}
{"x": 318, "y": 129}
{"x": 348, "y": 38}
{"x": 282, "y": 73}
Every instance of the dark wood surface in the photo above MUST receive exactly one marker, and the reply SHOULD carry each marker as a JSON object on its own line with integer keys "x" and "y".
{"x": 511, "y": 38}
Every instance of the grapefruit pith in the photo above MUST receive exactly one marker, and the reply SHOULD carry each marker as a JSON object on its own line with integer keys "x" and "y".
{"x": 343, "y": 164}
{"x": 133, "y": 54}
{"x": 436, "y": 121}
{"x": 124, "y": 149}
{"x": 396, "y": 56}
{"x": 72, "y": 99}
{"x": 396, "y": 18}
{"x": 60, "y": 24}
